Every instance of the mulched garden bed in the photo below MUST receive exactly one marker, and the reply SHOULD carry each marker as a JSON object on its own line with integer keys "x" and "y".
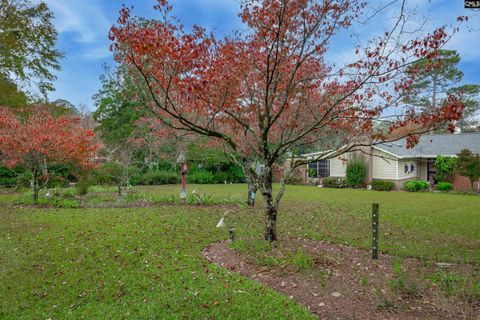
{"x": 344, "y": 283}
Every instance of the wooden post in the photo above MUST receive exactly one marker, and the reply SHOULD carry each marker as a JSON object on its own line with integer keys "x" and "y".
{"x": 375, "y": 231}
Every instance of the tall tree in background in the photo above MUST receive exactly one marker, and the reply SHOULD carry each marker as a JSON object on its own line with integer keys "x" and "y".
{"x": 469, "y": 94}
{"x": 28, "y": 39}
{"x": 39, "y": 140}
{"x": 120, "y": 121}
{"x": 432, "y": 85}
{"x": 116, "y": 109}
{"x": 262, "y": 94}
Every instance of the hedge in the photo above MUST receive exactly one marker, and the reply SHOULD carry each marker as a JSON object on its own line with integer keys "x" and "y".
{"x": 332, "y": 182}
{"x": 416, "y": 185}
{"x": 201, "y": 177}
{"x": 158, "y": 178}
{"x": 444, "y": 186}
{"x": 8, "y": 177}
{"x": 382, "y": 185}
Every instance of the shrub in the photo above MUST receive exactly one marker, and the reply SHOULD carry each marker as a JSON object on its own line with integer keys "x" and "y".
{"x": 198, "y": 198}
{"x": 312, "y": 173}
{"x": 416, "y": 185}
{"x": 8, "y": 177}
{"x": 445, "y": 167}
{"x": 201, "y": 177}
{"x": 332, "y": 182}
{"x": 84, "y": 182}
{"x": 295, "y": 179}
{"x": 55, "y": 181}
{"x": 382, "y": 185}
{"x": 69, "y": 193}
{"x": 108, "y": 174}
{"x": 236, "y": 174}
{"x": 468, "y": 165}
{"x": 301, "y": 260}
{"x": 64, "y": 170}
{"x": 444, "y": 186}
{"x": 356, "y": 173}
{"x": 56, "y": 200}
{"x": 24, "y": 179}
{"x": 221, "y": 177}
{"x": 158, "y": 178}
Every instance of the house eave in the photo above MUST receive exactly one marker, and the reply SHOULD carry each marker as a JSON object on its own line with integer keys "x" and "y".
{"x": 413, "y": 156}
{"x": 386, "y": 151}
{"x": 426, "y": 156}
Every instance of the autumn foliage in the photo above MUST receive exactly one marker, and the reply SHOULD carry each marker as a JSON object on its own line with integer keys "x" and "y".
{"x": 36, "y": 140}
{"x": 270, "y": 90}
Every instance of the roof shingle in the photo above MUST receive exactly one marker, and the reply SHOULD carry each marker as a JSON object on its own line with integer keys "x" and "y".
{"x": 434, "y": 145}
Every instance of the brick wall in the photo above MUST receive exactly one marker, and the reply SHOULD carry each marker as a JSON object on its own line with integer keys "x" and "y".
{"x": 299, "y": 172}
{"x": 277, "y": 173}
{"x": 462, "y": 183}
{"x": 302, "y": 172}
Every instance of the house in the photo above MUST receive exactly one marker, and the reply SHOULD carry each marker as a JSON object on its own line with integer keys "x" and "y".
{"x": 393, "y": 161}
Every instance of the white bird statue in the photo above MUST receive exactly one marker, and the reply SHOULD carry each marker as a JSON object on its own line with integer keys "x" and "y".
{"x": 221, "y": 223}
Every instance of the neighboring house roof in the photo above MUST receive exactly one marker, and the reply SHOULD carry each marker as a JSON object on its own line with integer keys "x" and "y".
{"x": 431, "y": 146}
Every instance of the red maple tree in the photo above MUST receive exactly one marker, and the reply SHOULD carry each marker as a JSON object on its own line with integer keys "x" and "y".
{"x": 270, "y": 90}
{"x": 37, "y": 139}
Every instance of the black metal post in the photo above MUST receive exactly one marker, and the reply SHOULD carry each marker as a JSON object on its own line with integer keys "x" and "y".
{"x": 375, "y": 231}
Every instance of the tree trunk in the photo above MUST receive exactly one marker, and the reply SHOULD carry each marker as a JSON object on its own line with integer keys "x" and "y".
{"x": 271, "y": 222}
{"x": 250, "y": 178}
{"x": 251, "y": 188}
{"x": 35, "y": 189}
{"x": 271, "y": 206}
{"x": 120, "y": 189}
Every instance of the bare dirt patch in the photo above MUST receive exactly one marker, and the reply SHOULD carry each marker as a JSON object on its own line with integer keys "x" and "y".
{"x": 341, "y": 282}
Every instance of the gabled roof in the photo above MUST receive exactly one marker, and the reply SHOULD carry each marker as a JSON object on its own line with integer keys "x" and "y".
{"x": 431, "y": 146}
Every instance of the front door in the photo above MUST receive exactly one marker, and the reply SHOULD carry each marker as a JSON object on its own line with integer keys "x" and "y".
{"x": 431, "y": 171}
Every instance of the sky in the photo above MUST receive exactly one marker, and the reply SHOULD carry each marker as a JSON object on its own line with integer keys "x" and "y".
{"x": 83, "y": 27}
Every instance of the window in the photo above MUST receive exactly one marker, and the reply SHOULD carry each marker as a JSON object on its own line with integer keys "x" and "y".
{"x": 319, "y": 169}
{"x": 323, "y": 168}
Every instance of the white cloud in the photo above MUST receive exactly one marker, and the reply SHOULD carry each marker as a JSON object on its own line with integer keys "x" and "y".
{"x": 85, "y": 18}
{"x": 98, "y": 53}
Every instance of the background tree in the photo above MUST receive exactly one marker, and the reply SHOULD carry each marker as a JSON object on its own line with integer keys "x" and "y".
{"x": 266, "y": 92}
{"x": 432, "y": 84}
{"x": 117, "y": 119}
{"x": 11, "y": 95}
{"x": 39, "y": 140}
{"x": 28, "y": 40}
{"x": 116, "y": 108}
{"x": 469, "y": 94}
{"x": 468, "y": 165}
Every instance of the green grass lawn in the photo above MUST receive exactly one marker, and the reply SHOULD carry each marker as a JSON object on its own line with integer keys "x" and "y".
{"x": 146, "y": 263}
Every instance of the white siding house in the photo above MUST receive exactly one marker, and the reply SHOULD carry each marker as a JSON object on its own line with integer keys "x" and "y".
{"x": 393, "y": 161}
{"x": 338, "y": 166}
{"x": 384, "y": 165}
